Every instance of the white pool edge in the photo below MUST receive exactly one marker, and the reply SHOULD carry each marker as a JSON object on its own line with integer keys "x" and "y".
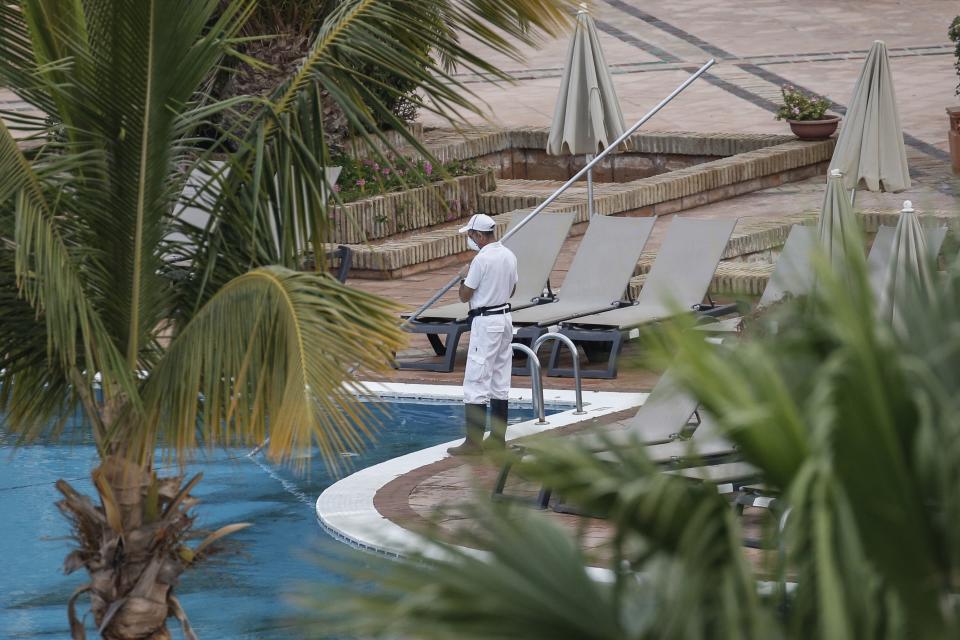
{"x": 346, "y": 510}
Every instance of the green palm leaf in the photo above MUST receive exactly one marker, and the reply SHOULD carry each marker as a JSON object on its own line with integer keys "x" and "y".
{"x": 268, "y": 356}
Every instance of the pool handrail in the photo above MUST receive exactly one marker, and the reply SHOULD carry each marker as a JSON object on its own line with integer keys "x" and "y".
{"x": 535, "y": 380}
{"x": 576, "y": 366}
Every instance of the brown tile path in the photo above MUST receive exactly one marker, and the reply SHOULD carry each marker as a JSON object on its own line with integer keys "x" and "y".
{"x": 818, "y": 44}
{"x": 431, "y": 500}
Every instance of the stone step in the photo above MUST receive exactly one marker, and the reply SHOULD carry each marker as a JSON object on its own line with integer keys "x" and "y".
{"x": 657, "y": 195}
{"x": 732, "y": 278}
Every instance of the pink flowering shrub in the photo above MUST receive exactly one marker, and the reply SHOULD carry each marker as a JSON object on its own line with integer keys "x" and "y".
{"x": 365, "y": 178}
{"x": 799, "y": 105}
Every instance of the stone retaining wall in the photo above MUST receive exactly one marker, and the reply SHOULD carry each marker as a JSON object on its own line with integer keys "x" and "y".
{"x": 641, "y": 156}
{"x": 657, "y": 195}
{"x": 449, "y": 145}
{"x": 731, "y": 279}
{"x": 536, "y": 164}
{"x": 872, "y": 219}
{"x": 396, "y": 212}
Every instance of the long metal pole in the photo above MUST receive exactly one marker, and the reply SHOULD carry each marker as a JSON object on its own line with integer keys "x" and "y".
{"x": 576, "y": 177}
{"x": 590, "y": 188}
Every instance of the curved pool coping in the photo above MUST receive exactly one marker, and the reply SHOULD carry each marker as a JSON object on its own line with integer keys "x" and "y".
{"x": 346, "y": 510}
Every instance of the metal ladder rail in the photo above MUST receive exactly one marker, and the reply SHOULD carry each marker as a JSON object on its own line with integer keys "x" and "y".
{"x": 536, "y": 381}
{"x": 576, "y": 366}
{"x": 536, "y": 377}
{"x": 566, "y": 185}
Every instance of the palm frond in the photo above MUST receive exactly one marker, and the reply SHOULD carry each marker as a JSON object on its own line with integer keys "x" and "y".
{"x": 831, "y": 406}
{"x": 272, "y": 205}
{"x": 530, "y": 582}
{"x": 49, "y": 279}
{"x": 269, "y": 355}
{"x": 681, "y": 536}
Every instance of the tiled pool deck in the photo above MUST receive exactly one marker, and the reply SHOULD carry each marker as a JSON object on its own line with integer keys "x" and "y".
{"x": 371, "y": 509}
{"x": 652, "y": 46}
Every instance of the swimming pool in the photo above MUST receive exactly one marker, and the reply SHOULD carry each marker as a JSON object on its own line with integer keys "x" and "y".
{"x": 238, "y": 595}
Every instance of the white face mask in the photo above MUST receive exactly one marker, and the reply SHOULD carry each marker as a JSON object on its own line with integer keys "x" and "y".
{"x": 472, "y": 244}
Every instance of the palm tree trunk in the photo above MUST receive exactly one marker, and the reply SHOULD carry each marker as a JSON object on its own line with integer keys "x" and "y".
{"x": 131, "y": 545}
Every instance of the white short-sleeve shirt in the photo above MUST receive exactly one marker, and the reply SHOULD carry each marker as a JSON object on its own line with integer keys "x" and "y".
{"x": 492, "y": 276}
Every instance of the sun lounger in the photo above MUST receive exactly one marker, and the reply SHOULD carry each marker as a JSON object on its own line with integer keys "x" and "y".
{"x": 792, "y": 275}
{"x": 200, "y": 192}
{"x": 693, "y": 456}
{"x": 679, "y": 279}
{"x": 536, "y": 246}
{"x": 727, "y": 476}
{"x": 666, "y": 415}
{"x": 879, "y": 256}
{"x": 705, "y": 443}
{"x": 597, "y": 279}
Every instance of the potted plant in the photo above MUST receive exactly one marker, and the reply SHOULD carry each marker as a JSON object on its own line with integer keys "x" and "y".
{"x": 806, "y": 114}
{"x": 954, "y": 112}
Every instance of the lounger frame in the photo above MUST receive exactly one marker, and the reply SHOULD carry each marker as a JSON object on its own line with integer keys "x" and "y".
{"x": 444, "y": 333}
{"x": 600, "y": 344}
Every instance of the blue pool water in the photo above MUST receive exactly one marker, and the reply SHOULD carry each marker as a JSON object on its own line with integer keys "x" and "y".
{"x": 240, "y": 595}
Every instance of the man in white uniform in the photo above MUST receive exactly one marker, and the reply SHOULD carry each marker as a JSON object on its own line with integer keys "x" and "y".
{"x": 490, "y": 282}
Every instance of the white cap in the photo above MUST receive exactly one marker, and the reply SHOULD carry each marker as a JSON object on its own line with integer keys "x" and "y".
{"x": 479, "y": 222}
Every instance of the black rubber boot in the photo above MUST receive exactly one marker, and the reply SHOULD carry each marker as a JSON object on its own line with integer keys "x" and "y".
{"x": 476, "y": 418}
{"x": 498, "y": 424}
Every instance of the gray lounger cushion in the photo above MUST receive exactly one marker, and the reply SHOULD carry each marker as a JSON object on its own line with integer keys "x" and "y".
{"x": 601, "y": 269}
{"x": 680, "y": 276}
{"x": 660, "y": 419}
{"x": 706, "y": 441}
{"x": 536, "y": 246}
{"x": 719, "y": 473}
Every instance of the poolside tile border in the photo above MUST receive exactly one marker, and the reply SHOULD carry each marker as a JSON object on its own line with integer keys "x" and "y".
{"x": 346, "y": 510}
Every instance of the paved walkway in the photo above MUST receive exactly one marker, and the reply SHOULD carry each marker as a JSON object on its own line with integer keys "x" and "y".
{"x": 760, "y": 45}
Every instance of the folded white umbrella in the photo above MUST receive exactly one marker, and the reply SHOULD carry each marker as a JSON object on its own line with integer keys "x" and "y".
{"x": 909, "y": 274}
{"x": 837, "y": 223}
{"x": 870, "y": 151}
{"x": 587, "y": 115}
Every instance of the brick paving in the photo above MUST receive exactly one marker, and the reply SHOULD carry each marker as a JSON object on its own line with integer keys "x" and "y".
{"x": 431, "y": 500}
{"x": 760, "y": 44}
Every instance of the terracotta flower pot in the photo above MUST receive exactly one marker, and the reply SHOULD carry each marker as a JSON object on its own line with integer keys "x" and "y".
{"x": 814, "y": 129}
{"x": 954, "y": 137}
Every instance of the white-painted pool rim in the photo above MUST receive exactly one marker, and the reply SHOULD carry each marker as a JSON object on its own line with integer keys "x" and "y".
{"x": 346, "y": 510}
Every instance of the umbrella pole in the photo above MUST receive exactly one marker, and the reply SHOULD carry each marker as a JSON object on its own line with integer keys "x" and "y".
{"x": 853, "y": 196}
{"x": 590, "y": 185}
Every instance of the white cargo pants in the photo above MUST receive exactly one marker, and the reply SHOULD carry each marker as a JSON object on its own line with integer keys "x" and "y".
{"x": 489, "y": 359}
